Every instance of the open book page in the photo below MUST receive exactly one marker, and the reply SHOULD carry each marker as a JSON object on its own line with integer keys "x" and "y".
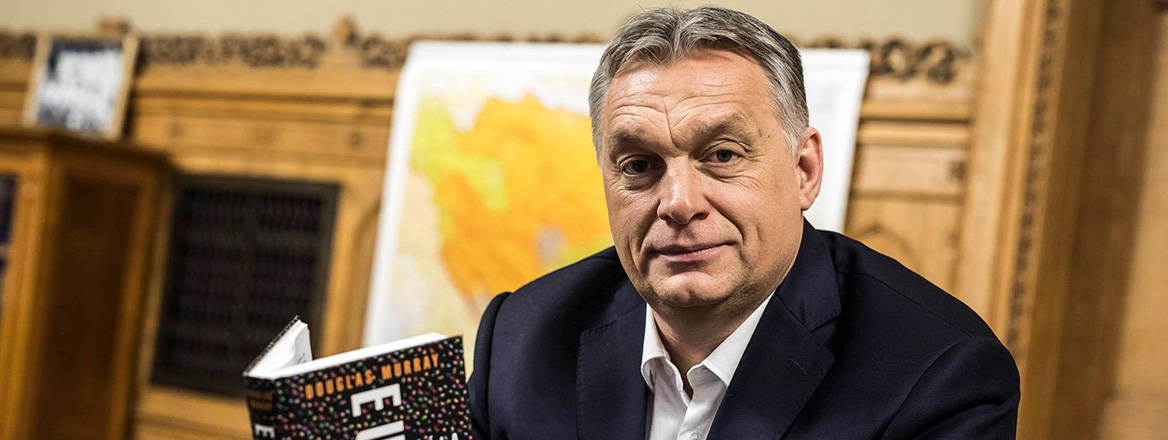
{"x": 291, "y": 347}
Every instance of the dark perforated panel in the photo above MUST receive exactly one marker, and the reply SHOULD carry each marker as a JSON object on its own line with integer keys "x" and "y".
{"x": 7, "y": 199}
{"x": 245, "y": 256}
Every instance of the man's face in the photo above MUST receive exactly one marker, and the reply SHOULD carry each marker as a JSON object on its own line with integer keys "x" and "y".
{"x": 704, "y": 196}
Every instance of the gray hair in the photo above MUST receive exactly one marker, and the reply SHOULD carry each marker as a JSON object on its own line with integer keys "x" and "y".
{"x": 666, "y": 35}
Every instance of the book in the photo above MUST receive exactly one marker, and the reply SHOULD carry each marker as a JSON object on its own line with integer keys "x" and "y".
{"x": 412, "y": 389}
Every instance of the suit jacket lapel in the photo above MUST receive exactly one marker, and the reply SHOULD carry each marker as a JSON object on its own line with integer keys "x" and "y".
{"x": 611, "y": 395}
{"x": 783, "y": 364}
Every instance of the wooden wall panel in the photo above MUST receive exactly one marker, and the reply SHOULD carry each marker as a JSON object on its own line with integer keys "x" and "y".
{"x": 1029, "y": 135}
{"x": 910, "y": 171}
{"x": 1136, "y": 406}
{"x": 166, "y": 413}
{"x": 907, "y": 190}
{"x": 1113, "y": 177}
{"x": 1068, "y": 159}
{"x": 11, "y": 102}
{"x": 356, "y": 143}
{"x": 920, "y": 232}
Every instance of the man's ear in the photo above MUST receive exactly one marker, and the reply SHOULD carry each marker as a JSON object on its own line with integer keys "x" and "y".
{"x": 809, "y": 166}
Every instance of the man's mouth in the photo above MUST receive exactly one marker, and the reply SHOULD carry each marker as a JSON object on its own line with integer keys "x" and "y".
{"x": 688, "y": 253}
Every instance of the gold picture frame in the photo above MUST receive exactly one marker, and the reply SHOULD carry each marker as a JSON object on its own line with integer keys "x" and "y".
{"x": 80, "y": 83}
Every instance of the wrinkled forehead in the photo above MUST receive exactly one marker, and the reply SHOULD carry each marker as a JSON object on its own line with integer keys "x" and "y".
{"x": 713, "y": 89}
{"x": 703, "y": 71}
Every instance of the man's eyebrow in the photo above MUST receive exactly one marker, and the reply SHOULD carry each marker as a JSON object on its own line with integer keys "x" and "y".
{"x": 621, "y": 140}
{"x": 624, "y": 137}
{"x": 734, "y": 124}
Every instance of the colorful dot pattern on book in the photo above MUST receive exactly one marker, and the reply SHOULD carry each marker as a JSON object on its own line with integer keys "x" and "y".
{"x": 432, "y": 405}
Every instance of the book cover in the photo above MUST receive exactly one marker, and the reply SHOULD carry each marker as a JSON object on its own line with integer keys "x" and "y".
{"x": 413, "y": 389}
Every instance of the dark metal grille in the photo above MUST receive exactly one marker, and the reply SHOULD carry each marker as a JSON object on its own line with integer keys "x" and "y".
{"x": 245, "y": 256}
{"x": 7, "y": 199}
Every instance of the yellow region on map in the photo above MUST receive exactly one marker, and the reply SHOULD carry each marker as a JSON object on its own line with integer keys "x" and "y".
{"x": 517, "y": 195}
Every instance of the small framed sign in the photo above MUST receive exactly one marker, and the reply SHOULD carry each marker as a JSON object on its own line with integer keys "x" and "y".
{"x": 80, "y": 83}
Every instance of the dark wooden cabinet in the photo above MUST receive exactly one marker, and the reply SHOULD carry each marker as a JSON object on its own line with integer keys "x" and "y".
{"x": 84, "y": 218}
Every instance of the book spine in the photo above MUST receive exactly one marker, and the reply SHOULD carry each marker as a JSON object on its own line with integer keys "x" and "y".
{"x": 261, "y": 406}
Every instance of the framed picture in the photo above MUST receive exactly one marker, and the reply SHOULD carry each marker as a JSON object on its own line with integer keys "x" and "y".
{"x": 80, "y": 83}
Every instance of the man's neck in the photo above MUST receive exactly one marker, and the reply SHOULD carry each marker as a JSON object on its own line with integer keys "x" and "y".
{"x": 690, "y": 335}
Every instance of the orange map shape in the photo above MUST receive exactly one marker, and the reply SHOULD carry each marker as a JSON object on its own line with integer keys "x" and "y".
{"x": 518, "y": 194}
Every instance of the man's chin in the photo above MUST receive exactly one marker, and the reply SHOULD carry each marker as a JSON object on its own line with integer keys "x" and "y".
{"x": 687, "y": 291}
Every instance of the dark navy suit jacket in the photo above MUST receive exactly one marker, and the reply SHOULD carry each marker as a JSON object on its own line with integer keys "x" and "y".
{"x": 852, "y": 346}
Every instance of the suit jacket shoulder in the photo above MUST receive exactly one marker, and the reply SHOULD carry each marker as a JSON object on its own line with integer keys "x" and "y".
{"x": 861, "y": 269}
{"x": 925, "y": 361}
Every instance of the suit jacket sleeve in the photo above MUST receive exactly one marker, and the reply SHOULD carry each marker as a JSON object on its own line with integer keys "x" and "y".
{"x": 480, "y": 419}
{"x": 971, "y": 391}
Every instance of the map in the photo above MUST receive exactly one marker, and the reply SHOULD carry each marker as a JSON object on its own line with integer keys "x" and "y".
{"x": 492, "y": 182}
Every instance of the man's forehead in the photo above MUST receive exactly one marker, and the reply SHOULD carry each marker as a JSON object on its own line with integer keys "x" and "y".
{"x": 710, "y": 71}
{"x": 711, "y": 88}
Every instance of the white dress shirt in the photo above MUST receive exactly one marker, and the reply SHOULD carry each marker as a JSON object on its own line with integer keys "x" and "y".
{"x": 673, "y": 415}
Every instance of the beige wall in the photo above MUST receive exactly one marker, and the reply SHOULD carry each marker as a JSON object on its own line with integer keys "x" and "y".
{"x": 918, "y": 20}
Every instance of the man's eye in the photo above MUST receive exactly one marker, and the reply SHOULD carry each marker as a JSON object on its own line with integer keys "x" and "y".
{"x": 724, "y": 156}
{"x": 635, "y": 166}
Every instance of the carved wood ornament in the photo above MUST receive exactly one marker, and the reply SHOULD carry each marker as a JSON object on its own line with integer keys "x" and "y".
{"x": 17, "y": 46}
{"x": 893, "y": 57}
{"x": 1021, "y": 293}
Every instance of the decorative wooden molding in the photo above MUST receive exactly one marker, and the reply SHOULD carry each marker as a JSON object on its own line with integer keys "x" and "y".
{"x": 17, "y": 46}
{"x": 936, "y": 61}
{"x": 1037, "y": 152}
{"x": 1046, "y": 229}
{"x": 305, "y": 52}
{"x": 998, "y": 163}
{"x": 253, "y": 51}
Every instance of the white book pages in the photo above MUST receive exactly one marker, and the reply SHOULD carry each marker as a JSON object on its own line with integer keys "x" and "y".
{"x": 292, "y": 348}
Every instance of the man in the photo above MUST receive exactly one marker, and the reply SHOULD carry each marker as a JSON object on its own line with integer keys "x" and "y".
{"x": 720, "y": 313}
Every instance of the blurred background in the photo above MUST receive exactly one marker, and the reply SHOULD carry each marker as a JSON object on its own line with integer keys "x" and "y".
{"x": 1014, "y": 152}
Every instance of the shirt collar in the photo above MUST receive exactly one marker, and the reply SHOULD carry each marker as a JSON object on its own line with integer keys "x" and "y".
{"x": 723, "y": 361}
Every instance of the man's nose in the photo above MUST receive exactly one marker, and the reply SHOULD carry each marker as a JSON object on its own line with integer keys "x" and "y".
{"x": 681, "y": 196}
